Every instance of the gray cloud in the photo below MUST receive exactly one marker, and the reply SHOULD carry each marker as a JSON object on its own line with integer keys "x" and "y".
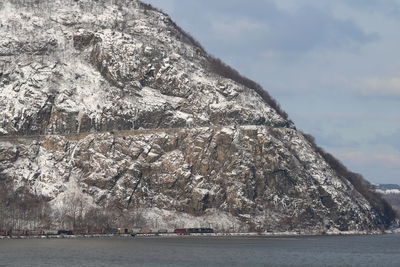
{"x": 335, "y": 140}
{"x": 386, "y": 87}
{"x": 387, "y": 7}
{"x": 377, "y": 167}
{"x": 262, "y": 28}
{"x": 393, "y": 140}
{"x": 310, "y": 27}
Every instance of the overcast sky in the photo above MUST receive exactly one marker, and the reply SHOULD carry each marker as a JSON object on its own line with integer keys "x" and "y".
{"x": 334, "y": 66}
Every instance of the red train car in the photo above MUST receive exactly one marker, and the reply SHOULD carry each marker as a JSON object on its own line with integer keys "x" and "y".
{"x": 181, "y": 231}
{"x": 97, "y": 232}
{"x": 37, "y": 232}
{"x": 5, "y": 233}
{"x": 21, "y": 233}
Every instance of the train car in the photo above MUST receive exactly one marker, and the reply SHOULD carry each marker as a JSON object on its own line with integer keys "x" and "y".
{"x": 51, "y": 232}
{"x": 90, "y": 232}
{"x": 136, "y": 230}
{"x": 193, "y": 230}
{"x": 5, "y": 233}
{"x": 124, "y": 230}
{"x": 181, "y": 231}
{"x": 64, "y": 232}
{"x": 145, "y": 231}
{"x": 162, "y": 231}
{"x": 24, "y": 233}
{"x": 81, "y": 232}
{"x": 37, "y": 232}
{"x": 112, "y": 231}
{"x": 98, "y": 232}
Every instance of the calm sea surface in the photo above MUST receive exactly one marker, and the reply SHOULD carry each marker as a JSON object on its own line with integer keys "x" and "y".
{"x": 382, "y": 250}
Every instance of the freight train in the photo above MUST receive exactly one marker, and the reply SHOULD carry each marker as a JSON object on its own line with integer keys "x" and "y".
{"x": 113, "y": 231}
{"x": 187, "y": 231}
{"x": 50, "y": 232}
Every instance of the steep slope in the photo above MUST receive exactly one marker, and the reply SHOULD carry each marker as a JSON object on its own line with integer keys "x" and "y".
{"x": 112, "y": 102}
{"x": 391, "y": 193}
{"x": 88, "y": 67}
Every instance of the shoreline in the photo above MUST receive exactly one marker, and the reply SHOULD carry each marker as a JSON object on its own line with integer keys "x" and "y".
{"x": 216, "y": 235}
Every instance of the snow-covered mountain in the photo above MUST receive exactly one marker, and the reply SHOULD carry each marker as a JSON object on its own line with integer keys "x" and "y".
{"x": 111, "y": 103}
{"x": 391, "y": 193}
{"x": 388, "y": 189}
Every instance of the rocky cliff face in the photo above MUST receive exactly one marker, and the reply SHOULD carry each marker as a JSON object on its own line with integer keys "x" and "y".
{"x": 110, "y": 100}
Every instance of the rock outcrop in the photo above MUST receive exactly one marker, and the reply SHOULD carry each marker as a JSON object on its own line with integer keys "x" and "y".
{"x": 112, "y": 101}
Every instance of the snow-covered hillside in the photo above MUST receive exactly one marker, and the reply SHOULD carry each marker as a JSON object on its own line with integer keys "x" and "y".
{"x": 111, "y": 103}
{"x": 387, "y": 189}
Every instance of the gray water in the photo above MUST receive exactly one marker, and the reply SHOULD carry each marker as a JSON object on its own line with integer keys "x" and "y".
{"x": 381, "y": 250}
